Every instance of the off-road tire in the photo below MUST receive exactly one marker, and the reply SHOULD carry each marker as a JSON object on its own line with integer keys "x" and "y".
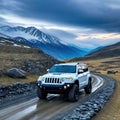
{"x": 88, "y": 88}
{"x": 73, "y": 94}
{"x": 41, "y": 94}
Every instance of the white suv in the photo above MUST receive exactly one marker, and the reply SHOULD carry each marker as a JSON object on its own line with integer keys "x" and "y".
{"x": 67, "y": 79}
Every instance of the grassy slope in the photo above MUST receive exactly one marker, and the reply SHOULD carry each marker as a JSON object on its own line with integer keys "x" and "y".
{"x": 111, "y": 111}
{"x": 12, "y": 56}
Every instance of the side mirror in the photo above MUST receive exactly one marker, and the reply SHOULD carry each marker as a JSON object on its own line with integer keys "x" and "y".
{"x": 80, "y": 71}
{"x": 48, "y": 70}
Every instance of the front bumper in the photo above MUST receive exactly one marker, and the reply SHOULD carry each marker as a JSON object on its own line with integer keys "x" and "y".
{"x": 55, "y": 89}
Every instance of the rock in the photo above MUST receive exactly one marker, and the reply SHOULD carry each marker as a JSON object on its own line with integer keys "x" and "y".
{"x": 15, "y": 90}
{"x": 16, "y": 73}
{"x": 37, "y": 67}
{"x": 1, "y": 74}
{"x": 2, "y": 86}
{"x": 112, "y": 71}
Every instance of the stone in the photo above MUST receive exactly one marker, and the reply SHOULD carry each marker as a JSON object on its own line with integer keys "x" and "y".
{"x": 16, "y": 73}
{"x": 1, "y": 74}
{"x": 112, "y": 71}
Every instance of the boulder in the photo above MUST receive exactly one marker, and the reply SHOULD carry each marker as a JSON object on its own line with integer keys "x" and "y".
{"x": 16, "y": 73}
{"x": 112, "y": 71}
{"x": 1, "y": 74}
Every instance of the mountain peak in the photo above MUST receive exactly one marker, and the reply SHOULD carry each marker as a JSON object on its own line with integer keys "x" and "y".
{"x": 32, "y": 29}
{"x": 29, "y": 33}
{"x": 50, "y": 44}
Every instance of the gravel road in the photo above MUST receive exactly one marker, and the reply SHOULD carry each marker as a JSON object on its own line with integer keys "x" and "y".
{"x": 55, "y": 107}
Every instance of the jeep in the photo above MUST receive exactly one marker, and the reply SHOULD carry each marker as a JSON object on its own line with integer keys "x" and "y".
{"x": 66, "y": 79}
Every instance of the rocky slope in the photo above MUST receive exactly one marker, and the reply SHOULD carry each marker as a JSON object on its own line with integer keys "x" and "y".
{"x": 14, "y": 54}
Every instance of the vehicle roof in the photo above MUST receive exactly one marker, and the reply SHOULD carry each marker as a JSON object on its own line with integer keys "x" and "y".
{"x": 71, "y": 64}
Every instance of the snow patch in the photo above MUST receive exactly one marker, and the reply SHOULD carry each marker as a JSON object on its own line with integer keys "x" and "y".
{"x": 16, "y": 45}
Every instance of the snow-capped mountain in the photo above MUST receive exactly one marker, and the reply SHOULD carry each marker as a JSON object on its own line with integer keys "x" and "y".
{"x": 29, "y": 33}
{"x": 48, "y": 43}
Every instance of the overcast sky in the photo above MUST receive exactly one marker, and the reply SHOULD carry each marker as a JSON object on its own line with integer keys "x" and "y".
{"x": 89, "y": 20}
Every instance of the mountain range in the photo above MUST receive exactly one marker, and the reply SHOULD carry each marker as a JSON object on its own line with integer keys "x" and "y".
{"x": 49, "y": 44}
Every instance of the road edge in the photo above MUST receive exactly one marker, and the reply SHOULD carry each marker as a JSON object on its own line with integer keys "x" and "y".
{"x": 93, "y": 103}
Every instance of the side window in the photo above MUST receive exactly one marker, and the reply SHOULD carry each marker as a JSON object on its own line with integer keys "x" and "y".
{"x": 85, "y": 68}
{"x": 80, "y": 70}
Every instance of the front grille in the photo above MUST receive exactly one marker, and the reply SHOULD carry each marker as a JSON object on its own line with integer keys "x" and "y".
{"x": 52, "y": 80}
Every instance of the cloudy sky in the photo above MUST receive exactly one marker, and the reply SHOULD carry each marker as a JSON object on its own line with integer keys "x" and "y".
{"x": 90, "y": 22}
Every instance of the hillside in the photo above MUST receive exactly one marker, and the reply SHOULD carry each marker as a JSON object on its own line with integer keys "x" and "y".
{"x": 106, "y": 52}
{"x": 14, "y": 54}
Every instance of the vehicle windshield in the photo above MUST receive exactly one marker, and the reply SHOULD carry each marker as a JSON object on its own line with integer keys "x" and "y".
{"x": 63, "y": 69}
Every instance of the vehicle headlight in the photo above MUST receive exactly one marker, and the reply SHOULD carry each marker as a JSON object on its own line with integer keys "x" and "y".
{"x": 69, "y": 78}
{"x": 40, "y": 78}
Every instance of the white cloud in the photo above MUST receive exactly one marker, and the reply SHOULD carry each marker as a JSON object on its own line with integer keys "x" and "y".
{"x": 100, "y": 36}
{"x": 94, "y": 40}
{"x": 16, "y": 20}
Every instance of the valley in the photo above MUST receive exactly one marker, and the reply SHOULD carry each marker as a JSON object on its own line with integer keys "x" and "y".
{"x": 15, "y": 52}
{"x": 37, "y": 34}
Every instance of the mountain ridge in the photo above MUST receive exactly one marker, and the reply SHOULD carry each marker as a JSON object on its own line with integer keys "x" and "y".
{"x": 105, "y": 52}
{"x": 48, "y": 43}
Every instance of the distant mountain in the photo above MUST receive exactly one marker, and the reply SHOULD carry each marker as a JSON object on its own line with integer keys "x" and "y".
{"x": 3, "y": 35}
{"x": 96, "y": 49}
{"x": 106, "y": 52}
{"x": 50, "y": 44}
{"x": 66, "y": 37}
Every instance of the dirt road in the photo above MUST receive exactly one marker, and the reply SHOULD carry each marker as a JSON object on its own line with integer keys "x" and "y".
{"x": 36, "y": 109}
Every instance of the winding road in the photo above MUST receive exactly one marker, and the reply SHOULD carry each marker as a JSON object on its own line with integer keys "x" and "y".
{"x": 55, "y": 105}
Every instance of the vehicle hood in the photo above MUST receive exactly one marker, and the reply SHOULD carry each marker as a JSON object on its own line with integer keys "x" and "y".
{"x": 60, "y": 75}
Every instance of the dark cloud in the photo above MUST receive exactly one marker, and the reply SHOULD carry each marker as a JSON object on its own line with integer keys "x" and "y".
{"x": 98, "y": 14}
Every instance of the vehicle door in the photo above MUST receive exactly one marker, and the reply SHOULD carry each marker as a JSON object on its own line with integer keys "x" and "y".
{"x": 81, "y": 77}
{"x": 86, "y": 72}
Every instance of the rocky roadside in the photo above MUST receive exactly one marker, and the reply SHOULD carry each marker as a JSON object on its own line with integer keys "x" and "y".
{"x": 16, "y": 93}
{"x": 92, "y": 105}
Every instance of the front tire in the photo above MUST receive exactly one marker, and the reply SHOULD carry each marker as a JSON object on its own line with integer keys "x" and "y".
{"x": 41, "y": 94}
{"x": 73, "y": 94}
{"x": 88, "y": 88}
